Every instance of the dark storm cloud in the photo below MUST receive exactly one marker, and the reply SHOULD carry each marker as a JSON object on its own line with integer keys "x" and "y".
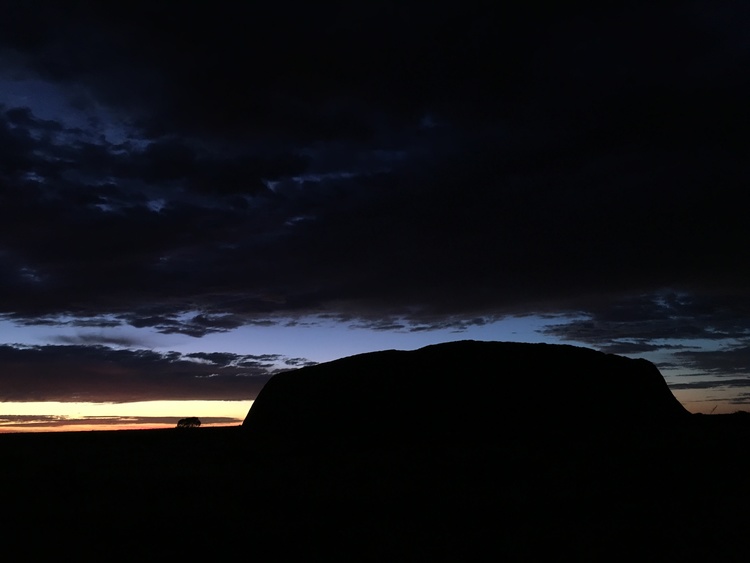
{"x": 103, "y": 374}
{"x": 381, "y": 163}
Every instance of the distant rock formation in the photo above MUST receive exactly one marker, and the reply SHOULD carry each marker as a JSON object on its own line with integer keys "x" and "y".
{"x": 461, "y": 391}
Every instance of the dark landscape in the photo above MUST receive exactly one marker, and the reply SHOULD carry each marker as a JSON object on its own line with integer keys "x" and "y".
{"x": 464, "y": 449}
{"x": 202, "y": 204}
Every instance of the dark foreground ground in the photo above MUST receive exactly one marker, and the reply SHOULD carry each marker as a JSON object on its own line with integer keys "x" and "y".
{"x": 679, "y": 492}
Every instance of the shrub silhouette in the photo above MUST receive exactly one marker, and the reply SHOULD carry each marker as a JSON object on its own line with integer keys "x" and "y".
{"x": 191, "y": 422}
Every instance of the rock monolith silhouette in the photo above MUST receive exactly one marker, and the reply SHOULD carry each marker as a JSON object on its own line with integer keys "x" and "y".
{"x": 467, "y": 390}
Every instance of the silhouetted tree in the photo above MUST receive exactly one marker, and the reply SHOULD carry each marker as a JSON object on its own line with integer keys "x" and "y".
{"x": 191, "y": 422}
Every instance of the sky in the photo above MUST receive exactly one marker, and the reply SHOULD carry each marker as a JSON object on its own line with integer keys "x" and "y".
{"x": 194, "y": 199}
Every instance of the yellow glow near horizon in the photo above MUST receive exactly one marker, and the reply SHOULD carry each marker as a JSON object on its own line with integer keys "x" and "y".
{"x": 142, "y": 408}
{"x": 83, "y": 416}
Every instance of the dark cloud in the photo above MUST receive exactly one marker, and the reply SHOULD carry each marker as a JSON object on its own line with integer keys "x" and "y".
{"x": 658, "y": 321}
{"x": 191, "y": 325}
{"x": 22, "y": 117}
{"x": 298, "y": 362}
{"x": 100, "y": 373}
{"x": 732, "y": 360}
{"x": 393, "y": 167}
{"x": 99, "y": 340}
{"x": 639, "y": 346}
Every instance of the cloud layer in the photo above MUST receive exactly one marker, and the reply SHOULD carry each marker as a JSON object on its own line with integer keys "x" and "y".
{"x": 96, "y": 373}
{"x": 201, "y": 170}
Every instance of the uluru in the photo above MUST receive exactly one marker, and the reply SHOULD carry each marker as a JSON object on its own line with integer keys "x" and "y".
{"x": 465, "y": 390}
{"x": 501, "y": 445}
{"x": 464, "y": 451}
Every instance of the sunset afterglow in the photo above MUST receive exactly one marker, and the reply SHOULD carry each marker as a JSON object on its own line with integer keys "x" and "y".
{"x": 59, "y": 416}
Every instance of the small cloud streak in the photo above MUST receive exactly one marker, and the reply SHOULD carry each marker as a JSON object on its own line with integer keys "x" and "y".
{"x": 99, "y": 340}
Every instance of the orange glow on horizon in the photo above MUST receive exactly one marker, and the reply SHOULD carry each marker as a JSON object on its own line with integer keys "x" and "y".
{"x": 10, "y": 429}
{"x": 146, "y": 415}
